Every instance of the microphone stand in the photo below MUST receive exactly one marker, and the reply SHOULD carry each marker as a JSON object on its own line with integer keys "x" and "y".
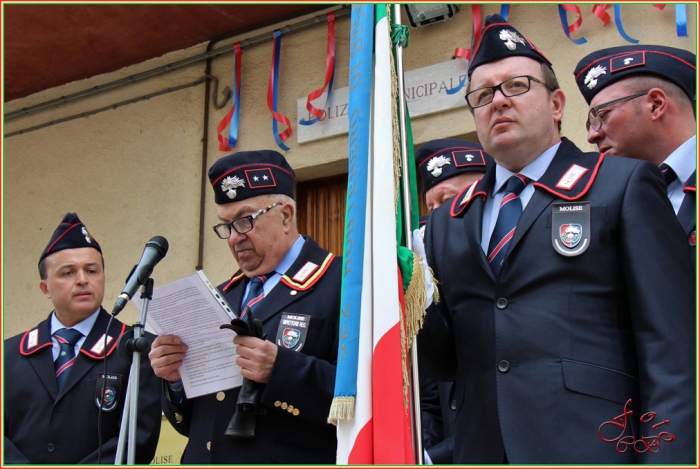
{"x": 130, "y": 347}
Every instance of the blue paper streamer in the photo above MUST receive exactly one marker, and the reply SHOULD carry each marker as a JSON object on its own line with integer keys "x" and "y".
{"x": 505, "y": 9}
{"x": 278, "y": 43}
{"x": 681, "y": 19}
{"x": 565, "y": 25}
{"x": 620, "y": 29}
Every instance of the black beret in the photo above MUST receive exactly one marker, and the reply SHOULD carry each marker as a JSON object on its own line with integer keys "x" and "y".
{"x": 499, "y": 40}
{"x": 248, "y": 174}
{"x": 70, "y": 234}
{"x": 442, "y": 159}
{"x": 606, "y": 66}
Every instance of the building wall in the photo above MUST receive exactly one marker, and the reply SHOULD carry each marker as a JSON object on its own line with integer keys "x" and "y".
{"x": 135, "y": 172}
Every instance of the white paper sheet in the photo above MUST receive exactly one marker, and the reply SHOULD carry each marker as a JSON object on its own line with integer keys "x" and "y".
{"x": 193, "y": 309}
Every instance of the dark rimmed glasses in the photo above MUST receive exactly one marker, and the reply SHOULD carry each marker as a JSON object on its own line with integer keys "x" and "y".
{"x": 595, "y": 118}
{"x": 511, "y": 87}
{"x": 241, "y": 225}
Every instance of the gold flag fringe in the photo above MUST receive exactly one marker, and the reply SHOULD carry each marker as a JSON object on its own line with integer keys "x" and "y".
{"x": 342, "y": 408}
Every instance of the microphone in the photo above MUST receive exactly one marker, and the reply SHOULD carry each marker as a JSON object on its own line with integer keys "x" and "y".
{"x": 155, "y": 250}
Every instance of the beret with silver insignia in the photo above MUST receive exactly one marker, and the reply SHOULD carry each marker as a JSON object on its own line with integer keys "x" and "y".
{"x": 442, "y": 159}
{"x": 71, "y": 233}
{"x": 607, "y": 66}
{"x": 499, "y": 40}
{"x": 251, "y": 173}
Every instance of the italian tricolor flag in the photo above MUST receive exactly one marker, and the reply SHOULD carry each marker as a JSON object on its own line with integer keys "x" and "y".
{"x": 371, "y": 404}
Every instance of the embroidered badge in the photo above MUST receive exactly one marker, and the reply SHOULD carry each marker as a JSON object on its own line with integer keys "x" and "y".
{"x": 693, "y": 238}
{"x": 230, "y": 184}
{"x": 33, "y": 339}
{"x": 259, "y": 178}
{"x": 112, "y": 387}
{"x": 623, "y": 62}
{"x": 86, "y": 234}
{"x": 468, "y": 158}
{"x": 571, "y": 228}
{"x": 100, "y": 344}
{"x": 304, "y": 273}
{"x": 591, "y": 79}
{"x": 571, "y": 177}
{"x": 510, "y": 38}
{"x": 435, "y": 165}
{"x": 292, "y": 331}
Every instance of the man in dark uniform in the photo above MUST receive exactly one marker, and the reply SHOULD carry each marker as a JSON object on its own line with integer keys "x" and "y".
{"x": 53, "y": 372}
{"x": 642, "y": 105}
{"x": 446, "y": 166}
{"x": 567, "y": 294}
{"x": 295, "y": 366}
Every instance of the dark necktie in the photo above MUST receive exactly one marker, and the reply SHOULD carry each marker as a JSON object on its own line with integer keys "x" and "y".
{"x": 67, "y": 338}
{"x": 668, "y": 174}
{"x": 255, "y": 293}
{"x": 508, "y": 216}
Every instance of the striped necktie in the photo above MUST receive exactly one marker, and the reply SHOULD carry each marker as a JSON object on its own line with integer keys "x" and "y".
{"x": 67, "y": 338}
{"x": 668, "y": 174}
{"x": 508, "y": 215}
{"x": 255, "y": 293}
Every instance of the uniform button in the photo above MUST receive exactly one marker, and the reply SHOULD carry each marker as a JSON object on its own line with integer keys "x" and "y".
{"x": 178, "y": 418}
{"x": 208, "y": 445}
{"x": 50, "y": 447}
{"x": 296, "y": 412}
{"x": 220, "y": 396}
{"x": 503, "y": 366}
{"x": 290, "y": 409}
{"x": 293, "y": 292}
{"x": 501, "y": 303}
{"x": 453, "y": 404}
{"x": 278, "y": 403}
{"x": 284, "y": 406}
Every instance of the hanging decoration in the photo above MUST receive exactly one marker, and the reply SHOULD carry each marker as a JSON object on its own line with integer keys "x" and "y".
{"x": 681, "y": 18}
{"x": 464, "y": 53}
{"x": 505, "y": 10}
{"x": 231, "y": 119}
{"x": 272, "y": 94}
{"x": 330, "y": 73}
{"x": 563, "y": 8}
{"x": 621, "y": 30}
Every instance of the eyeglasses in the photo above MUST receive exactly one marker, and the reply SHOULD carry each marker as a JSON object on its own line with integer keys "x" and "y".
{"x": 241, "y": 225}
{"x": 511, "y": 87}
{"x": 595, "y": 118}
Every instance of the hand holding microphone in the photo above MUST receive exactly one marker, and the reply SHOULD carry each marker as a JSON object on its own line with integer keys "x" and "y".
{"x": 155, "y": 250}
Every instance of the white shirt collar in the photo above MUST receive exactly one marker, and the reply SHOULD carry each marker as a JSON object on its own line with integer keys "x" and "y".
{"x": 84, "y": 326}
{"x": 682, "y": 160}
{"x": 533, "y": 171}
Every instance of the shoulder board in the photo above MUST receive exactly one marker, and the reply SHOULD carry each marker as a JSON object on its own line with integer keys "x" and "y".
{"x": 573, "y": 182}
{"x": 32, "y": 341}
{"x": 308, "y": 275}
{"x": 235, "y": 278}
{"x": 98, "y": 350}
{"x": 464, "y": 198}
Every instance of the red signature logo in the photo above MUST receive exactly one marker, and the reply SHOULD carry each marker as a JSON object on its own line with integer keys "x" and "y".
{"x": 646, "y": 443}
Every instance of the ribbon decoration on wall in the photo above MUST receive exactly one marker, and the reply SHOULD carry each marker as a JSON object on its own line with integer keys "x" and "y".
{"x": 505, "y": 10}
{"x": 681, "y": 18}
{"x": 563, "y": 8}
{"x": 330, "y": 73}
{"x": 272, "y": 94}
{"x": 231, "y": 118}
{"x": 467, "y": 54}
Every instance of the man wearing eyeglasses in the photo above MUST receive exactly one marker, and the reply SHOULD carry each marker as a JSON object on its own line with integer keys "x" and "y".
{"x": 292, "y": 286}
{"x": 567, "y": 299}
{"x": 642, "y": 105}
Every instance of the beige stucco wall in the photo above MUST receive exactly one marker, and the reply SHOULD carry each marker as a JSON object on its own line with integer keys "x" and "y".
{"x": 134, "y": 172}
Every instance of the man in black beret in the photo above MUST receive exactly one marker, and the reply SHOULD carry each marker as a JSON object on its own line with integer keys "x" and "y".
{"x": 567, "y": 295}
{"x": 642, "y": 105}
{"x": 292, "y": 286}
{"x": 53, "y": 372}
{"x": 446, "y": 166}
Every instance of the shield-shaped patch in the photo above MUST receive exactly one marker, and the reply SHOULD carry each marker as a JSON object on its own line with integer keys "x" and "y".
{"x": 292, "y": 331}
{"x": 571, "y": 228}
{"x": 112, "y": 386}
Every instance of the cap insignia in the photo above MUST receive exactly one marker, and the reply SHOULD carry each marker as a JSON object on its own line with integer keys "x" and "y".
{"x": 230, "y": 184}
{"x": 86, "y": 234}
{"x": 510, "y": 38}
{"x": 592, "y": 75}
{"x": 435, "y": 165}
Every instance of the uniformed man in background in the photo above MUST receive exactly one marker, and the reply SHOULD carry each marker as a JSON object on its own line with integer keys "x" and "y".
{"x": 446, "y": 166}
{"x": 642, "y": 105}
{"x": 53, "y": 373}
